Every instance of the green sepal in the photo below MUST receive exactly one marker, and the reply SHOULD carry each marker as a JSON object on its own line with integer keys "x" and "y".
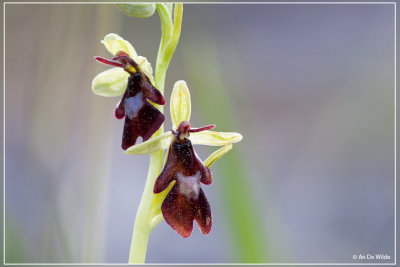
{"x": 158, "y": 143}
{"x": 180, "y": 104}
{"x": 115, "y": 43}
{"x": 111, "y": 82}
{"x": 211, "y": 138}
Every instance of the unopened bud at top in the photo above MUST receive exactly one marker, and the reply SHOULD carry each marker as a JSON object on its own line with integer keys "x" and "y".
{"x": 139, "y": 10}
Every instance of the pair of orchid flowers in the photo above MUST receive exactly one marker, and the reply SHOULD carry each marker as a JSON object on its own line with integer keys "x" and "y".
{"x": 132, "y": 77}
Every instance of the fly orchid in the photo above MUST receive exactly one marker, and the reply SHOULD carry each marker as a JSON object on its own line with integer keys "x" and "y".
{"x": 186, "y": 201}
{"x": 179, "y": 196}
{"x": 141, "y": 117}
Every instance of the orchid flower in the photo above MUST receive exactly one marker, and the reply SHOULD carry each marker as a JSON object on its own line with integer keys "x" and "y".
{"x": 172, "y": 191}
{"x": 184, "y": 201}
{"x": 141, "y": 117}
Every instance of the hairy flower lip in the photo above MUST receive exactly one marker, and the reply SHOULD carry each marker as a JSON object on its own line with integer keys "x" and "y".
{"x": 142, "y": 118}
{"x": 180, "y": 212}
{"x": 186, "y": 201}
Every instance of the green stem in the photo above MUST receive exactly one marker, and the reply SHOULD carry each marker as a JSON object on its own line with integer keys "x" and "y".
{"x": 171, "y": 32}
{"x": 142, "y": 229}
{"x": 143, "y": 222}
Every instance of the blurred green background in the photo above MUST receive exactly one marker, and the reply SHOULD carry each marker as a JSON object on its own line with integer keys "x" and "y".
{"x": 310, "y": 87}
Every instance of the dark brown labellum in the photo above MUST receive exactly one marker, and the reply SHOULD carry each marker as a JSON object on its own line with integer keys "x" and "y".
{"x": 141, "y": 117}
{"x": 186, "y": 201}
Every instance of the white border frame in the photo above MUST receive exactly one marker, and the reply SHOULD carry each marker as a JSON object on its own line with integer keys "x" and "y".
{"x": 234, "y": 3}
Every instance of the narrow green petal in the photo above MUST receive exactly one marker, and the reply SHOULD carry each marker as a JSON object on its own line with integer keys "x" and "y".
{"x": 111, "y": 82}
{"x": 160, "y": 142}
{"x": 115, "y": 43}
{"x": 212, "y": 138}
{"x": 216, "y": 155}
{"x": 139, "y": 10}
{"x": 180, "y": 104}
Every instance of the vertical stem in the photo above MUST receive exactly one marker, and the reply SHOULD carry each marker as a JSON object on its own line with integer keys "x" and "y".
{"x": 141, "y": 230}
{"x": 168, "y": 43}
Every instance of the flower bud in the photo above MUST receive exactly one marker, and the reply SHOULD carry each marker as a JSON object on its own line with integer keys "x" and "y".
{"x": 139, "y": 10}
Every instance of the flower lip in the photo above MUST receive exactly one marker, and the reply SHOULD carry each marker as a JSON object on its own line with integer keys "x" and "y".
{"x": 186, "y": 200}
{"x": 141, "y": 117}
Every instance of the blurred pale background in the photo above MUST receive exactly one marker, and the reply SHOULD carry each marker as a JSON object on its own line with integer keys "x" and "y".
{"x": 310, "y": 87}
